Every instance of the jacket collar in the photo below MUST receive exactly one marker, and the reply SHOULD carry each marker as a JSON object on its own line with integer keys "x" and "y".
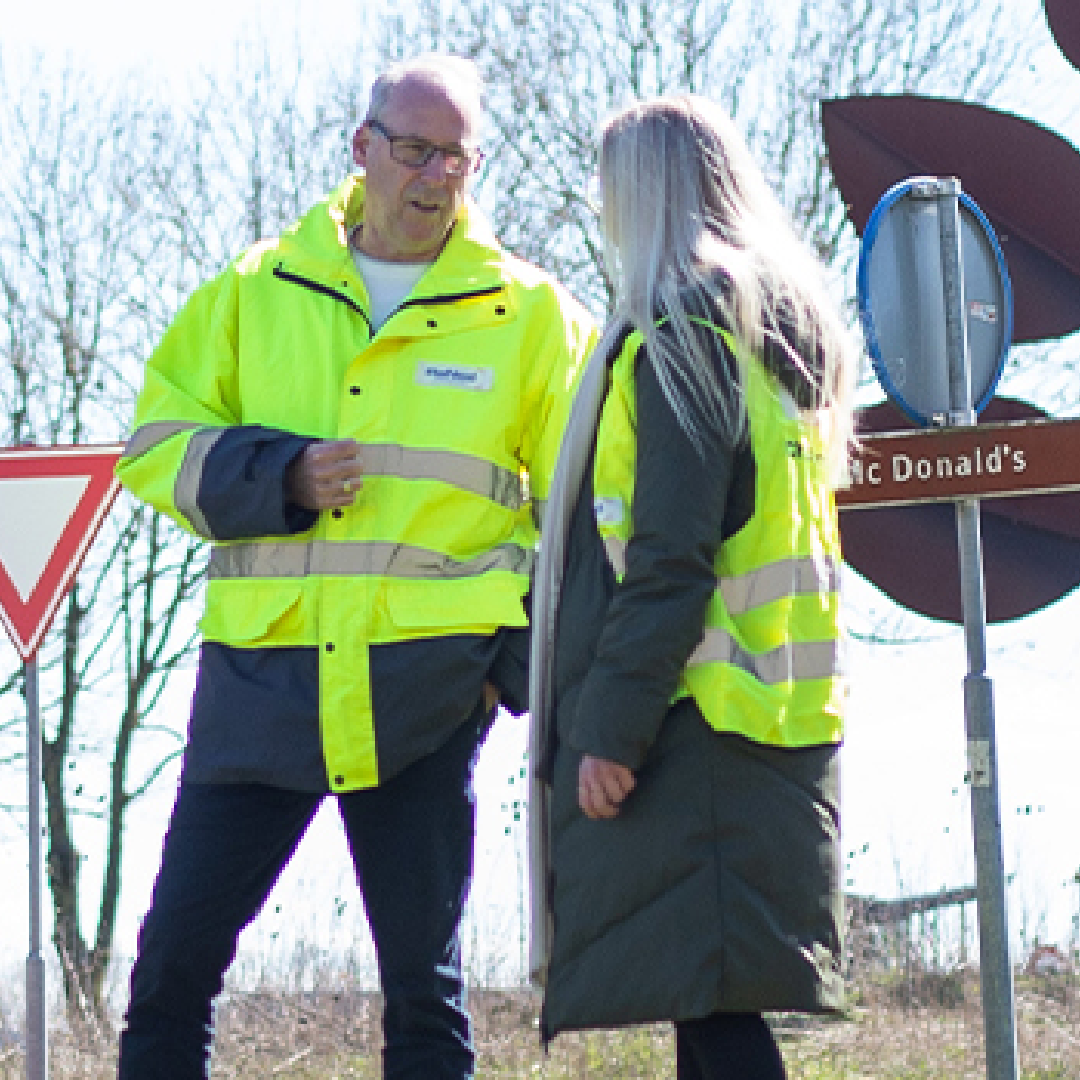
{"x": 472, "y": 257}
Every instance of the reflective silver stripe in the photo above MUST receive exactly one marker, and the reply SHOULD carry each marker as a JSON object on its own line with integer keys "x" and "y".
{"x": 789, "y": 577}
{"x": 502, "y": 486}
{"x": 616, "y": 552}
{"x": 186, "y": 488}
{"x": 539, "y": 508}
{"x": 792, "y": 661}
{"x": 149, "y": 435}
{"x": 756, "y": 588}
{"x": 386, "y": 560}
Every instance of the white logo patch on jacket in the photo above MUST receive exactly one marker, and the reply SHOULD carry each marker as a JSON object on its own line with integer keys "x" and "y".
{"x": 459, "y": 376}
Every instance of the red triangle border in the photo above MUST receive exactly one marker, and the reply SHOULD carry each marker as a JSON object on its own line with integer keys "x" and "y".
{"x": 27, "y": 621}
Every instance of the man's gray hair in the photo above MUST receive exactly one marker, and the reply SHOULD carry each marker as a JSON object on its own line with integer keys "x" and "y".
{"x": 458, "y": 76}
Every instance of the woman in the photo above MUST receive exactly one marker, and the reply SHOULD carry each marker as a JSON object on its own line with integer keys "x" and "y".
{"x": 687, "y": 689}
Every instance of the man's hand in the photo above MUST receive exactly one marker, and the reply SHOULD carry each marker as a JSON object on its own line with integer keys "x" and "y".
{"x": 602, "y": 786}
{"x": 325, "y": 476}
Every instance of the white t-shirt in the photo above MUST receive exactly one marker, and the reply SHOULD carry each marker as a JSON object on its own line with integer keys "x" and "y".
{"x": 388, "y": 283}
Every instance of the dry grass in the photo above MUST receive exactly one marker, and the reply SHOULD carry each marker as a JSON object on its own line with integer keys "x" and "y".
{"x": 904, "y": 1030}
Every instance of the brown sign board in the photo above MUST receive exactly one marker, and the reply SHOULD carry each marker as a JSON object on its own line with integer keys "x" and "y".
{"x": 1030, "y": 538}
{"x": 1024, "y": 457}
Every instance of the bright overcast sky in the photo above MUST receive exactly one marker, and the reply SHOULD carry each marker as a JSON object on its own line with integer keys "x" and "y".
{"x": 111, "y": 36}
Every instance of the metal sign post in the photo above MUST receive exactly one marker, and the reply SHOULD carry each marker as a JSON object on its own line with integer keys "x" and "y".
{"x": 54, "y": 501}
{"x": 37, "y": 1053}
{"x": 994, "y": 964}
{"x": 936, "y": 303}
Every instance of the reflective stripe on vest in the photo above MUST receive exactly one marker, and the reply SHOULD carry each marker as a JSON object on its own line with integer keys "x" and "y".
{"x": 755, "y": 588}
{"x": 615, "y": 548}
{"x": 794, "y": 660}
{"x": 767, "y": 584}
{"x": 269, "y": 560}
{"x": 538, "y": 508}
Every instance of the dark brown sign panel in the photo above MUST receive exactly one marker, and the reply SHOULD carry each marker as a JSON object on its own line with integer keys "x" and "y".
{"x": 946, "y": 464}
{"x": 1063, "y": 18}
{"x": 1023, "y": 177}
{"x": 907, "y": 544}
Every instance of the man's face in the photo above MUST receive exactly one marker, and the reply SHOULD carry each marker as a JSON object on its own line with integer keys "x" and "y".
{"x": 409, "y": 211}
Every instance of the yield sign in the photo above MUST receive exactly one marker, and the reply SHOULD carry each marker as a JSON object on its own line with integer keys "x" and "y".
{"x": 52, "y": 502}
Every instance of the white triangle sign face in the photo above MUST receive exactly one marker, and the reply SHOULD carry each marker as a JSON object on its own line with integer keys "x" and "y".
{"x": 52, "y": 502}
{"x": 36, "y": 512}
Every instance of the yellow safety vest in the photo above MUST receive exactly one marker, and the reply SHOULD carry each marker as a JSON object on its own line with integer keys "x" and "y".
{"x": 768, "y": 663}
{"x": 458, "y": 402}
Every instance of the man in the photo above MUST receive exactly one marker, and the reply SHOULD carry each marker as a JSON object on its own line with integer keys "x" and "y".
{"x": 347, "y": 414}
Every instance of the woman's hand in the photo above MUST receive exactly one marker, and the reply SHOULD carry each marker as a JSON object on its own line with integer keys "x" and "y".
{"x": 602, "y": 786}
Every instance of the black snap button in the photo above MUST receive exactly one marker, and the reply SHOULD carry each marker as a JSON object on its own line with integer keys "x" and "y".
{"x": 329, "y": 646}
{"x": 500, "y": 310}
{"x": 432, "y": 323}
{"x": 337, "y": 513}
{"x": 355, "y": 391}
{"x": 339, "y": 780}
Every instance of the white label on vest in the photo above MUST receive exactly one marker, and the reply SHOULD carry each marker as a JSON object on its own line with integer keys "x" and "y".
{"x": 608, "y": 509}
{"x": 430, "y": 373}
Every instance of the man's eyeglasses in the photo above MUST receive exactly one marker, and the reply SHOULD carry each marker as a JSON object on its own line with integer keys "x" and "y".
{"x": 415, "y": 153}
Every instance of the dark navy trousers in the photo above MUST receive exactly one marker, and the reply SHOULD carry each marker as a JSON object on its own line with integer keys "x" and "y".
{"x": 411, "y": 841}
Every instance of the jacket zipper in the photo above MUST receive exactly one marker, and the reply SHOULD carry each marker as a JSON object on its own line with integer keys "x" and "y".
{"x": 449, "y": 298}
{"x": 325, "y": 290}
{"x": 420, "y": 301}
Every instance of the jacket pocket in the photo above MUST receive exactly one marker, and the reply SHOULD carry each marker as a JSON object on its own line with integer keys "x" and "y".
{"x": 466, "y": 606}
{"x": 257, "y": 613}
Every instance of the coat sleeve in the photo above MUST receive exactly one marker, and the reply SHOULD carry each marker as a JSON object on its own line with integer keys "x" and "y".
{"x": 241, "y": 490}
{"x": 656, "y": 615}
{"x": 190, "y": 455}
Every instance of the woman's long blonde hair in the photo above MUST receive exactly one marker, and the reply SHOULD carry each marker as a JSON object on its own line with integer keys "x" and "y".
{"x": 685, "y": 206}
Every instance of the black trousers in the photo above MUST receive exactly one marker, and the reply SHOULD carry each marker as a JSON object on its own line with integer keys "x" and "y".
{"x": 411, "y": 841}
{"x": 727, "y": 1046}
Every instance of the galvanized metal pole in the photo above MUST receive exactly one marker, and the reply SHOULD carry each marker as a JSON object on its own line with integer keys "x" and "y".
{"x": 37, "y": 1043}
{"x": 994, "y": 964}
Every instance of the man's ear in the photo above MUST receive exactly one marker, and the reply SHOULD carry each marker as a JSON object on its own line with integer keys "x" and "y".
{"x": 361, "y": 138}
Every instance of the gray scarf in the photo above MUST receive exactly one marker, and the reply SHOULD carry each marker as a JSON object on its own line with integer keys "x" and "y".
{"x": 574, "y": 455}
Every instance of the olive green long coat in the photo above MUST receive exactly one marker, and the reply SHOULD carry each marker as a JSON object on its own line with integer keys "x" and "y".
{"x": 717, "y": 887}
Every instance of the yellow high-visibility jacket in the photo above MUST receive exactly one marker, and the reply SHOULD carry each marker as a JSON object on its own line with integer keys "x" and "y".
{"x": 768, "y": 663}
{"x": 458, "y": 403}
